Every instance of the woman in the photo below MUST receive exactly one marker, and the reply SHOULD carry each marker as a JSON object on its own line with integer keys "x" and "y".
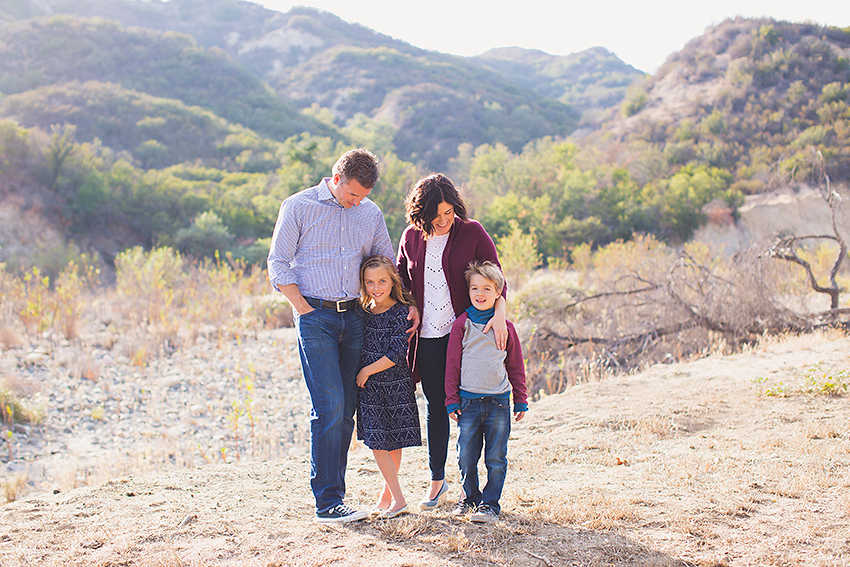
{"x": 433, "y": 254}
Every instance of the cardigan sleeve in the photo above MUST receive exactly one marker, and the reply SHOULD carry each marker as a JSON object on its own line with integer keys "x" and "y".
{"x": 454, "y": 357}
{"x": 516, "y": 370}
{"x": 402, "y": 260}
{"x": 485, "y": 249}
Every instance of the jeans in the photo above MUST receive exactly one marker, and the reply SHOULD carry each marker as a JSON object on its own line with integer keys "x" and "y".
{"x": 431, "y": 360}
{"x": 329, "y": 344}
{"x": 484, "y": 421}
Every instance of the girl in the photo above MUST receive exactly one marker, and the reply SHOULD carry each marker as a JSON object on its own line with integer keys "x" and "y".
{"x": 387, "y": 416}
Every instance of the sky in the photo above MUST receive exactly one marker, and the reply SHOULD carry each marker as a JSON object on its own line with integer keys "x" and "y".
{"x": 642, "y": 34}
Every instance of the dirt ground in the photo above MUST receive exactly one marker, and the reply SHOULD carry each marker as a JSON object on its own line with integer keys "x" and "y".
{"x": 728, "y": 460}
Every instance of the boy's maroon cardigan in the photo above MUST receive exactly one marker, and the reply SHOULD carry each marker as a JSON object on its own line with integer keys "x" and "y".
{"x": 514, "y": 364}
{"x": 468, "y": 241}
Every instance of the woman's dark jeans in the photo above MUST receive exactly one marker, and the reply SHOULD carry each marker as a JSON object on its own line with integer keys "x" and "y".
{"x": 431, "y": 361}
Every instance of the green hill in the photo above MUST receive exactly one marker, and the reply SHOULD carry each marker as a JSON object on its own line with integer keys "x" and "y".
{"x": 62, "y": 49}
{"x": 435, "y": 102}
{"x": 313, "y": 57}
{"x": 591, "y": 81}
{"x": 744, "y": 96}
{"x": 155, "y": 132}
{"x": 190, "y": 133}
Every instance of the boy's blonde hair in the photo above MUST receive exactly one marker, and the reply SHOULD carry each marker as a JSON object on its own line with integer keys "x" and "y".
{"x": 487, "y": 270}
{"x": 398, "y": 292}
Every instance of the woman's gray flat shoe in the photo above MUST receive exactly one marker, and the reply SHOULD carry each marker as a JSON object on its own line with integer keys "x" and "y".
{"x": 426, "y": 504}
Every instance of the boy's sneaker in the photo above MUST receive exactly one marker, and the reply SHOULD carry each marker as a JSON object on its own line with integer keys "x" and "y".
{"x": 461, "y": 509}
{"x": 340, "y": 514}
{"x": 484, "y": 515}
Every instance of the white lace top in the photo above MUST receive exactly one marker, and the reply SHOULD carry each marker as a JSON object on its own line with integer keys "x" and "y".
{"x": 437, "y": 313}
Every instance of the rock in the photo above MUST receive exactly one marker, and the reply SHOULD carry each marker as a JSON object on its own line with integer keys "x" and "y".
{"x": 21, "y": 428}
{"x": 91, "y": 544}
{"x": 36, "y": 358}
{"x": 171, "y": 381}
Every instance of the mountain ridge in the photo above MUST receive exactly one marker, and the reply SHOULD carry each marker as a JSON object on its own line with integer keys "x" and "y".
{"x": 298, "y": 52}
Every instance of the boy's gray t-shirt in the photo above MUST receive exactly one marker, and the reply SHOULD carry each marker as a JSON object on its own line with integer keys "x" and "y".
{"x": 482, "y": 369}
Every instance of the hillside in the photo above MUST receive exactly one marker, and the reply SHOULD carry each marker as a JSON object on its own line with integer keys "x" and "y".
{"x": 155, "y": 132}
{"x": 591, "y": 81}
{"x": 749, "y": 107}
{"x": 62, "y": 49}
{"x": 744, "y": 96}
{"x": 434, "y": 101}
{"x": 721, "y": 462}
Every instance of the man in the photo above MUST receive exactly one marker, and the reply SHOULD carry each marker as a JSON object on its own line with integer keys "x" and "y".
{"x": 321, "y": 237}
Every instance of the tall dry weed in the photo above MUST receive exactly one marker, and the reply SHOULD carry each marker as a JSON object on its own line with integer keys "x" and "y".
{"x": 13, "y": 486}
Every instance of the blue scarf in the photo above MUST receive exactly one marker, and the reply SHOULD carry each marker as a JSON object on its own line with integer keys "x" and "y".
{"x": 478, "y": 316}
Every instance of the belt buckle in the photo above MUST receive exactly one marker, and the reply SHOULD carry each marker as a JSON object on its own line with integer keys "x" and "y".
{"x": 338, "y": 309}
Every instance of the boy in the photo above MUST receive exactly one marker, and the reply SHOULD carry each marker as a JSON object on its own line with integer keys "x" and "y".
{"x": 479, "y": 380}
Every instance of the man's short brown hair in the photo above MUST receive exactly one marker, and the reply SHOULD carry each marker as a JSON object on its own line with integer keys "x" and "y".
{"x": 360, "y": 165}
{"x": 487, "y": 270}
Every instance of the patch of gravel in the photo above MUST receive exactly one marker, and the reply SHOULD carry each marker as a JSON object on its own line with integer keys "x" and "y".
{"x": 214, "y": 402}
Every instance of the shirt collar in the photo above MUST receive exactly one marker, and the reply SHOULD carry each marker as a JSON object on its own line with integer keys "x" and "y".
{"x": 324, "y": 191}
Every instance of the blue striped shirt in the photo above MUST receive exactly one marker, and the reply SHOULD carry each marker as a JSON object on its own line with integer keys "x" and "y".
{"x": 319, "y": 245}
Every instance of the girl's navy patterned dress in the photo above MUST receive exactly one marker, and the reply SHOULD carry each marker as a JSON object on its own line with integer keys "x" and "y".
{"x": 387, "y": 416}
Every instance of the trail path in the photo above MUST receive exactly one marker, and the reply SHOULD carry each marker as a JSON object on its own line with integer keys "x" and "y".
{"x": 682, "y": 464}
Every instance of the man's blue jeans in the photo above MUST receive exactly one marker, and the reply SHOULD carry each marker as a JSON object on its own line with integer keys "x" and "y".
{"x": 487, "y": 422}
{"x": 329, "y": 344}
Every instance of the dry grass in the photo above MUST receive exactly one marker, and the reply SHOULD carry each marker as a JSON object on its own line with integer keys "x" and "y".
{"x": 9, "y": 337}
{"x": 677, "y": 464}
{"x": 13, "y": 486}
{"x": 17, "y": 402}
{"x": 631, "y": 304}
{"x": 680, "y": 465}
{"x": 160, "y": 303}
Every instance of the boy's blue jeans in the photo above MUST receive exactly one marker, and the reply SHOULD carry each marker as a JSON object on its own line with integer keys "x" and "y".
{"x": 329, "y": 344}
{"x": 487, "y": 422}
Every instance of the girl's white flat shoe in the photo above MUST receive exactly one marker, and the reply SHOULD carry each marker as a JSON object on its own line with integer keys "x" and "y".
{"x": 386, "y": 515}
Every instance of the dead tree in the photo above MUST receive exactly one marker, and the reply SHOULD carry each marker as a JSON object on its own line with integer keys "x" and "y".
{"x": 788, "y": 248}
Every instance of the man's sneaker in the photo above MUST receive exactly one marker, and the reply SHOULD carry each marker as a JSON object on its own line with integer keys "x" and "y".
{"x": 484, "y": 515}
{"x": 340, "y": 514}
{"x": 461, "y": 509}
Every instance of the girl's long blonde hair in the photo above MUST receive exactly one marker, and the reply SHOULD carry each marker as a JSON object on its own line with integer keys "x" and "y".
{"x": 398, "y": 292}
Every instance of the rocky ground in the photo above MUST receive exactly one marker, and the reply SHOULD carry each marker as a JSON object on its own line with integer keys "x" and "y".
{"x": 728, "y": 460}
{"x": 103, "y": 416}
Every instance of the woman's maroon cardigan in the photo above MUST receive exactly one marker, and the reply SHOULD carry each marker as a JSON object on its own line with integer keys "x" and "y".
{"x": 468, "y": 241}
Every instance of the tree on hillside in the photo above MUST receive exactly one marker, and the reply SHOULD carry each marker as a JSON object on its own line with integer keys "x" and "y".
{"x": 61, "y": 145}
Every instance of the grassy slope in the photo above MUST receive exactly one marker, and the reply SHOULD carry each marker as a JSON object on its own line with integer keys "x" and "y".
{"x": 591, "y": 80}
{"x": 744, "y": 96}
{"x": 61, "y": 49}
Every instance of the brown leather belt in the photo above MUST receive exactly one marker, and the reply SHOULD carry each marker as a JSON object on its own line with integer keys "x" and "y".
{"x": 340, "y": 306}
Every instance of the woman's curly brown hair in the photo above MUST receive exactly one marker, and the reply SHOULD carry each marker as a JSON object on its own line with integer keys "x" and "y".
{"x": 424, "y": 198}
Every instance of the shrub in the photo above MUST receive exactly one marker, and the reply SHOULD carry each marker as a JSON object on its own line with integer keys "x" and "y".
{"x": 205, "y": 237}
{"x": 636, "y": 101}
{"x": 518, "y": 254}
